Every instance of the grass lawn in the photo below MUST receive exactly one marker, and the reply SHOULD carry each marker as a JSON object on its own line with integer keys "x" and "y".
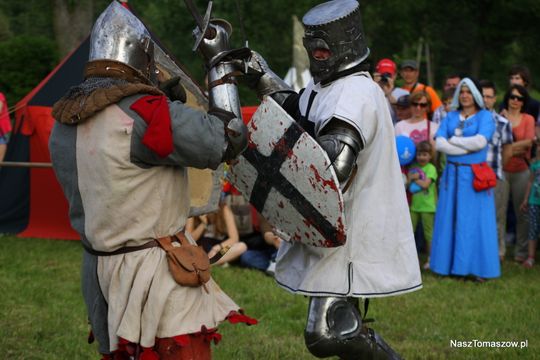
{"x": 42, "y": 315}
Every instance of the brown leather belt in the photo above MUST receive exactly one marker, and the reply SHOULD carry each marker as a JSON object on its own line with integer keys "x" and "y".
{"x": 124, "y": 250}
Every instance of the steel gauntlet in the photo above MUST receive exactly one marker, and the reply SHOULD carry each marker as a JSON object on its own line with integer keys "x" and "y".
{"x": 263, "y": 80}
{"x": 235, "y": 133}
{"x": 222, "y": 87}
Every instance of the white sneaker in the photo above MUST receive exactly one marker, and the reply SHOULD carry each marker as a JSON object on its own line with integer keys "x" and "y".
{"x": 426, "y": 265}
{"x": 271, "y": 269}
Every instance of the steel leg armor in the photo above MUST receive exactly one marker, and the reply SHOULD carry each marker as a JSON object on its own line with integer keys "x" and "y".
{"x": 334, "y": 328}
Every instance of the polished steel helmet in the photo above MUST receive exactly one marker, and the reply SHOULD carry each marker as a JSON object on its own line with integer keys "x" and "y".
{"x": 335, "y": 26}
{"x": 120, "y": 36}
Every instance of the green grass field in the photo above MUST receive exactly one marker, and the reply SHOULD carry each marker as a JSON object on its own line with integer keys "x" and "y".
{"x": 42, "y": 315}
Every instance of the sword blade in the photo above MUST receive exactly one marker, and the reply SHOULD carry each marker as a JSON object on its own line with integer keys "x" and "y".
{"x": 195, "y": 13}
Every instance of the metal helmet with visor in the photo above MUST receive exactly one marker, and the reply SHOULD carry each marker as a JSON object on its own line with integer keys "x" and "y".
{"x": 335, "y": 27}
{"x": 120, "y": 36}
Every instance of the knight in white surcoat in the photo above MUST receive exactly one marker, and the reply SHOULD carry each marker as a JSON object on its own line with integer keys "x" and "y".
{"x": 347, "y": 113}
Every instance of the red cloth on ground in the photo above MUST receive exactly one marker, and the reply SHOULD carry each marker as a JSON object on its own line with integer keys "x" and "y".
{"x": 154, "y": 110}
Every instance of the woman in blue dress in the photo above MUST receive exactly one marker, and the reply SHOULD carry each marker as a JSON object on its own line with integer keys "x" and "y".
{"x": 465, "y": 233}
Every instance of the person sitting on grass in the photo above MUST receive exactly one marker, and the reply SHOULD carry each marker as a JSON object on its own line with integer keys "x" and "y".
{"x": 421, "y": 179}
{"x": 261, "y": 246}
{"x": 258, "y": 243}
{"x": 216, "y": 231}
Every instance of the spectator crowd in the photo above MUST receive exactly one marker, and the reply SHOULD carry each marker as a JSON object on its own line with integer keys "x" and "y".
{"x": 474, "y": 185}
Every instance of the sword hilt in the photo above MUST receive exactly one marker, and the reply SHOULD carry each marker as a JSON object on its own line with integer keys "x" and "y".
{"x": 205, "y": 32}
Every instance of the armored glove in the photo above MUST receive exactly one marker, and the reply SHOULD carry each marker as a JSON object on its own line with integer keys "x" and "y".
{"x": 259, "y": 77}
{"x": 173, "y": 89}
{"x": 235, "y": 131}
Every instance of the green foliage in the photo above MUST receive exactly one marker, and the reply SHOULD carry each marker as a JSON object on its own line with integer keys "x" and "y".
{"x": 42, "y": 315}
{"x": 479, "y": 38}
{"x": 29, "y": 17}
{"x": 5, "y": 32}
{"x": 26, "y": 60}
{"x": 268, "y": 27}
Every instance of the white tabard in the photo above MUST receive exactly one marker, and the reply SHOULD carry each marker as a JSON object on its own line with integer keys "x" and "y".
{"x": 379, "y": 258}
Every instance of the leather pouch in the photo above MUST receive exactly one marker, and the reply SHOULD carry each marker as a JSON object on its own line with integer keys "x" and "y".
{"x": 188, "y": 264}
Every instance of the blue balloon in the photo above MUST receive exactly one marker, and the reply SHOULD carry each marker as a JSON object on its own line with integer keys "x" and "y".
{"x": 406, "y": 149}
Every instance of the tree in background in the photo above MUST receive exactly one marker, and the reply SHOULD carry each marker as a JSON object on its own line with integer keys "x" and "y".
{"x": 72, "y": 22}
{"x": 26, "y": 60}
{"x": 481, "y": 38}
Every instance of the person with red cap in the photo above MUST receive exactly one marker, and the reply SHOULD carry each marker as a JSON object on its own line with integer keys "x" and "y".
{"x": 385, "y": 75}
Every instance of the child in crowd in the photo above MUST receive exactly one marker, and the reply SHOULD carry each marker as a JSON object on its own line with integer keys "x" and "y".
{"x": 531, "y": 205}
{"x": 422, "y": 177}
{"x": 443, "y": 110}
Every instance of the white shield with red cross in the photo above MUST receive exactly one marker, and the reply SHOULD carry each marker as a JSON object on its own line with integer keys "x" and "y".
{"x": 288, "y": 178}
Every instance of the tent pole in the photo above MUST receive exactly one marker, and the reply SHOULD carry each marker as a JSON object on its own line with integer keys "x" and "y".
{"x": 25, "y": 164}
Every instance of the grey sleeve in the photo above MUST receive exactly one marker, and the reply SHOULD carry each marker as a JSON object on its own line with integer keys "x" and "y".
{"x": 198, "y": 138}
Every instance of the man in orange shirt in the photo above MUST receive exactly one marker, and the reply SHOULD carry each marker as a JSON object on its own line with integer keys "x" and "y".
{"x": 410, "y": 72}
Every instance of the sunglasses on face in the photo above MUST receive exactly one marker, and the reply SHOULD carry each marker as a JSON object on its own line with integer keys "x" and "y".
{"x": 416, "y": 104}
{"x": 516, "y": 97}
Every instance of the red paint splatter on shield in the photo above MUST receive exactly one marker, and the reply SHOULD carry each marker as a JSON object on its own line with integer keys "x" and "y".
{"x": 320, "y": 179}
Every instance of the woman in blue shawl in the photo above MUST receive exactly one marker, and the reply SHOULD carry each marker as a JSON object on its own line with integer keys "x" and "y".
{"x": 465, "y": 233}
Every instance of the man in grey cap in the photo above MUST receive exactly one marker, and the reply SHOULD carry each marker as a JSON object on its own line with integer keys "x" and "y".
{"x": 410, "y": 73}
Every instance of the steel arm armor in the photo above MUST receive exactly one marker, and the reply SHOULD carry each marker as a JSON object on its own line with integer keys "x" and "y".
{"x": 222, "y": 87}
{"x": 342, "y": 143}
